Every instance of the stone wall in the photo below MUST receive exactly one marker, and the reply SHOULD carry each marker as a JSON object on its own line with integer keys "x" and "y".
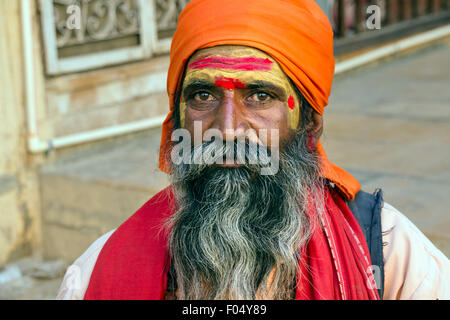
{"x": 65, "y": 104}
{"x": 106, "y": 97}
{"x": 19, "y": 200}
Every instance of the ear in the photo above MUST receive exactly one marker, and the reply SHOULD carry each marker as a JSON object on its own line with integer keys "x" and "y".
{"x": 315, "y": 127}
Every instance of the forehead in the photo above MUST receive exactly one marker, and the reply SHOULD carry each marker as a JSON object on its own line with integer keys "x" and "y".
{"x": 230, "y": 51}
{"x": 236, "y": 60}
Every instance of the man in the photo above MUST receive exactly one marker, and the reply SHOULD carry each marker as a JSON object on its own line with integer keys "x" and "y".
{"x": 245, "y": 74}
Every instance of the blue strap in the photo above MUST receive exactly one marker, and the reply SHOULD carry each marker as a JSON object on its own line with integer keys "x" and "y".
{"x": 366, "y": 208}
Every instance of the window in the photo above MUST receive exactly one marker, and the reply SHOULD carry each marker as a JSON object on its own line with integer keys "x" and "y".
{"x": 80, "y": 35}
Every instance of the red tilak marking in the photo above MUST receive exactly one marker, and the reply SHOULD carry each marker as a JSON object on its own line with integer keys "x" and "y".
{"x": 229, "y": 83}
{"x": 291, "y": 102}
{"x": 248, "y": 64}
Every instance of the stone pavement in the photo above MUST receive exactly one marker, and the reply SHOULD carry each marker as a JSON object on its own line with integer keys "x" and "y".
{"x": 31, "y": 278}
{"x": 387, "y": 123}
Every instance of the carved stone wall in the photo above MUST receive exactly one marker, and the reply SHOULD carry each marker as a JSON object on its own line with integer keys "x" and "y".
{"x": 82, "y": 35}
{"x": 110, "y": 23}
{"x": 167, "y": 12}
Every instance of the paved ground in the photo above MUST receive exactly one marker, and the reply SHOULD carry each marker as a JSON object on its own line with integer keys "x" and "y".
{"x": 31, "y": 278}
{"x": 388, "y": 124}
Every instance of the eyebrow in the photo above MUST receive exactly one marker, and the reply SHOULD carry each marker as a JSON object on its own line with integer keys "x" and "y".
{"x": 198, "y": 84}
{"x": 261, "y": 84}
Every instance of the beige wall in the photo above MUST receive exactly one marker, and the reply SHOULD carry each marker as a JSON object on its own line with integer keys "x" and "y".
{"x": 65, "y": 105}
{"x": 19, "y": 203}
{"x": 106, "y": 97}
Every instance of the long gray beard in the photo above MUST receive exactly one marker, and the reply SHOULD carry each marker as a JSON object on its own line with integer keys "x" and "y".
{"x": 233, "y": 226}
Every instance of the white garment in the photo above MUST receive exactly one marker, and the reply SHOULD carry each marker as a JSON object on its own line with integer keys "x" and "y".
{"x": 413, "y": 267}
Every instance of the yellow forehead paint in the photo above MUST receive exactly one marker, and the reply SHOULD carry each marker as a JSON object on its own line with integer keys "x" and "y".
{"x": 232, "y": 66}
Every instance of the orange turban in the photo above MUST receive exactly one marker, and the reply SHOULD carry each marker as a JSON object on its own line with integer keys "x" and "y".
{"x": 296, "y": 33}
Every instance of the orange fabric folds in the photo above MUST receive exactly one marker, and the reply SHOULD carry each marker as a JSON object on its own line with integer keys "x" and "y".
{"x": 296, "y": 33}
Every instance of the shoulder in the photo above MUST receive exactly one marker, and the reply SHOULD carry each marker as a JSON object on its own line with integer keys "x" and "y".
{"x": 135, "y": 232}
{"x": 76, "y": 279}
{"x": 414, "y": 268}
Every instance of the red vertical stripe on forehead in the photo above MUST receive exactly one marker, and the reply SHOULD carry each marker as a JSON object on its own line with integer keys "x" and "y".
{"x": 245, "y": 63}
{"x": 229, "y": 83}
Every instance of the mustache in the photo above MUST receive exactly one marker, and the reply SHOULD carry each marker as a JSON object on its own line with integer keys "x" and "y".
{"x": 241, "y": 152}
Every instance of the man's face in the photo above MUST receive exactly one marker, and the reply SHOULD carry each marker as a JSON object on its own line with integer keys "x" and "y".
{"x": 237, "y": 88}
{"x": 233, "y": 224}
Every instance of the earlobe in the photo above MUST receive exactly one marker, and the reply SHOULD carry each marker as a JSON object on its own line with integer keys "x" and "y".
{"x": 315, "y": 128}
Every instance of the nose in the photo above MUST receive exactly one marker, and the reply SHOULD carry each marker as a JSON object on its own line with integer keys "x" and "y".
{"x": 230, "y": 119}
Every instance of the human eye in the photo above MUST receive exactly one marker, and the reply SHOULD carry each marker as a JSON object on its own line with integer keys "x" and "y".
{"x": 260, "y": 97}
{"x": 201, "y": 100}
{"x": 202, "y": 96}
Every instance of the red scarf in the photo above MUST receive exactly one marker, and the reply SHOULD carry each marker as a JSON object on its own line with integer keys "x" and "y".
{"x": 134, "y": 262}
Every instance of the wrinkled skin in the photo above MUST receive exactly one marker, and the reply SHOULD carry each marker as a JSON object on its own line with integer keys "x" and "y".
{"x": 237, "y": 88}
